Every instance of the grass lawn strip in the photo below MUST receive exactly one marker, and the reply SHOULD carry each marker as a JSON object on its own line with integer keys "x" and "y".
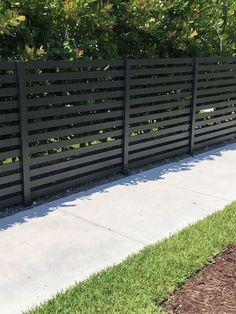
{"x": 143, "y": 281}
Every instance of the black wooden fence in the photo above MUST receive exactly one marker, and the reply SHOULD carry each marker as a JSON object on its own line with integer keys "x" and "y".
{"x": 66, "y": 123}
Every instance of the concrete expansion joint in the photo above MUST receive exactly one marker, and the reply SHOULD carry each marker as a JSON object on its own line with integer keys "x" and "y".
{"x": 195, "y": 191}
{"x": 121, "y": 234}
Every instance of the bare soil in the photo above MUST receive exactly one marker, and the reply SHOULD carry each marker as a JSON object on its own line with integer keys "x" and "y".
{"x": 210, "y": 291}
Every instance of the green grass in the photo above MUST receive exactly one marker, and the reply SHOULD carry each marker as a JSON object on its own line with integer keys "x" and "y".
{"x": 140, "y": 283}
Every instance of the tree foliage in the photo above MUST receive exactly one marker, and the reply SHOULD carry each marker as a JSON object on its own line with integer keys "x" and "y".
{"x": 70, "y": 29}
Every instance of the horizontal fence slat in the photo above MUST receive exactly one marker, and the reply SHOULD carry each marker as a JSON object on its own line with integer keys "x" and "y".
{"x": 73, "y": 98}
{"x": 216, "y": 98}
{"x": 166, "y": 97}
{"x": 160, "y": 115}
{"x": 161, "y": 80}
{"x": 10, "y": 130}
{"x": 216, "y": 59}
{"x": 7, "y": 78}
{"x": 217, "y": 67}
{"x": 221, "y": 75}
{"x": 158, "y": 149}
{"x": 217, "y": 90}
{"x": 10, "y": 190}
{"x": 8, "y": 105}
{"x": 73, "y": 87}
{"x": 166, "y": 70}
{"x": 6, "y": 92}
{"x": 72, "y": 64}
{"x": 7, "y": 65}
{"x": 73, "y": 75}
{"x": 159, "y": 89}
{"x": 10, "y": 178}
{"x": 73, "y": 109}
{"x": 158, "y": 107}
{"x": 217, "y": 83}
{"x": 164, "y": 61}
{"x": 9, "y": 142}
{"x": 9, "y": 167}
{"x": 8, "y": 202}
{"x": 9, "y": 117}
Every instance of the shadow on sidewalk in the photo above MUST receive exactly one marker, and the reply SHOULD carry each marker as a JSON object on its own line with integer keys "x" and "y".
{"x": 153, "y": 174}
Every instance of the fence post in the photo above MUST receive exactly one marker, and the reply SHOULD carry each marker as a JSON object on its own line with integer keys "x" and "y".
{"x": 194, "y": 104}
{"x": 20, "y": 66}
{"x": 126, "y": 116}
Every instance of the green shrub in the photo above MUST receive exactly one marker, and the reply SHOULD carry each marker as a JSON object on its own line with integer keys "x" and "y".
{"x": 70, "y": 29}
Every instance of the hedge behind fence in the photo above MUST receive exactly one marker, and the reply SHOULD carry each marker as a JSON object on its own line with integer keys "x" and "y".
{"x": 70, "y": 29}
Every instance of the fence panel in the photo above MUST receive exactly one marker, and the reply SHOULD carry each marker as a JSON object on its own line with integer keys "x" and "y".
{"x": 10, "y": 140}
{"x": 75, "y": 121}
{"x": 160, "y": 107}
{"x": 216, "y": 101}
{"x": 65, "y": 123}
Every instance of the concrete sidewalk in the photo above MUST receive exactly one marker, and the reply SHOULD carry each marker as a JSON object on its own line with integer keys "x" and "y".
{"x": 48, "y": 248}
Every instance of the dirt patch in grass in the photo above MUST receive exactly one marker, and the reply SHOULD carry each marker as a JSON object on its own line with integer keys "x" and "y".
{"x": 211, "y": 291}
